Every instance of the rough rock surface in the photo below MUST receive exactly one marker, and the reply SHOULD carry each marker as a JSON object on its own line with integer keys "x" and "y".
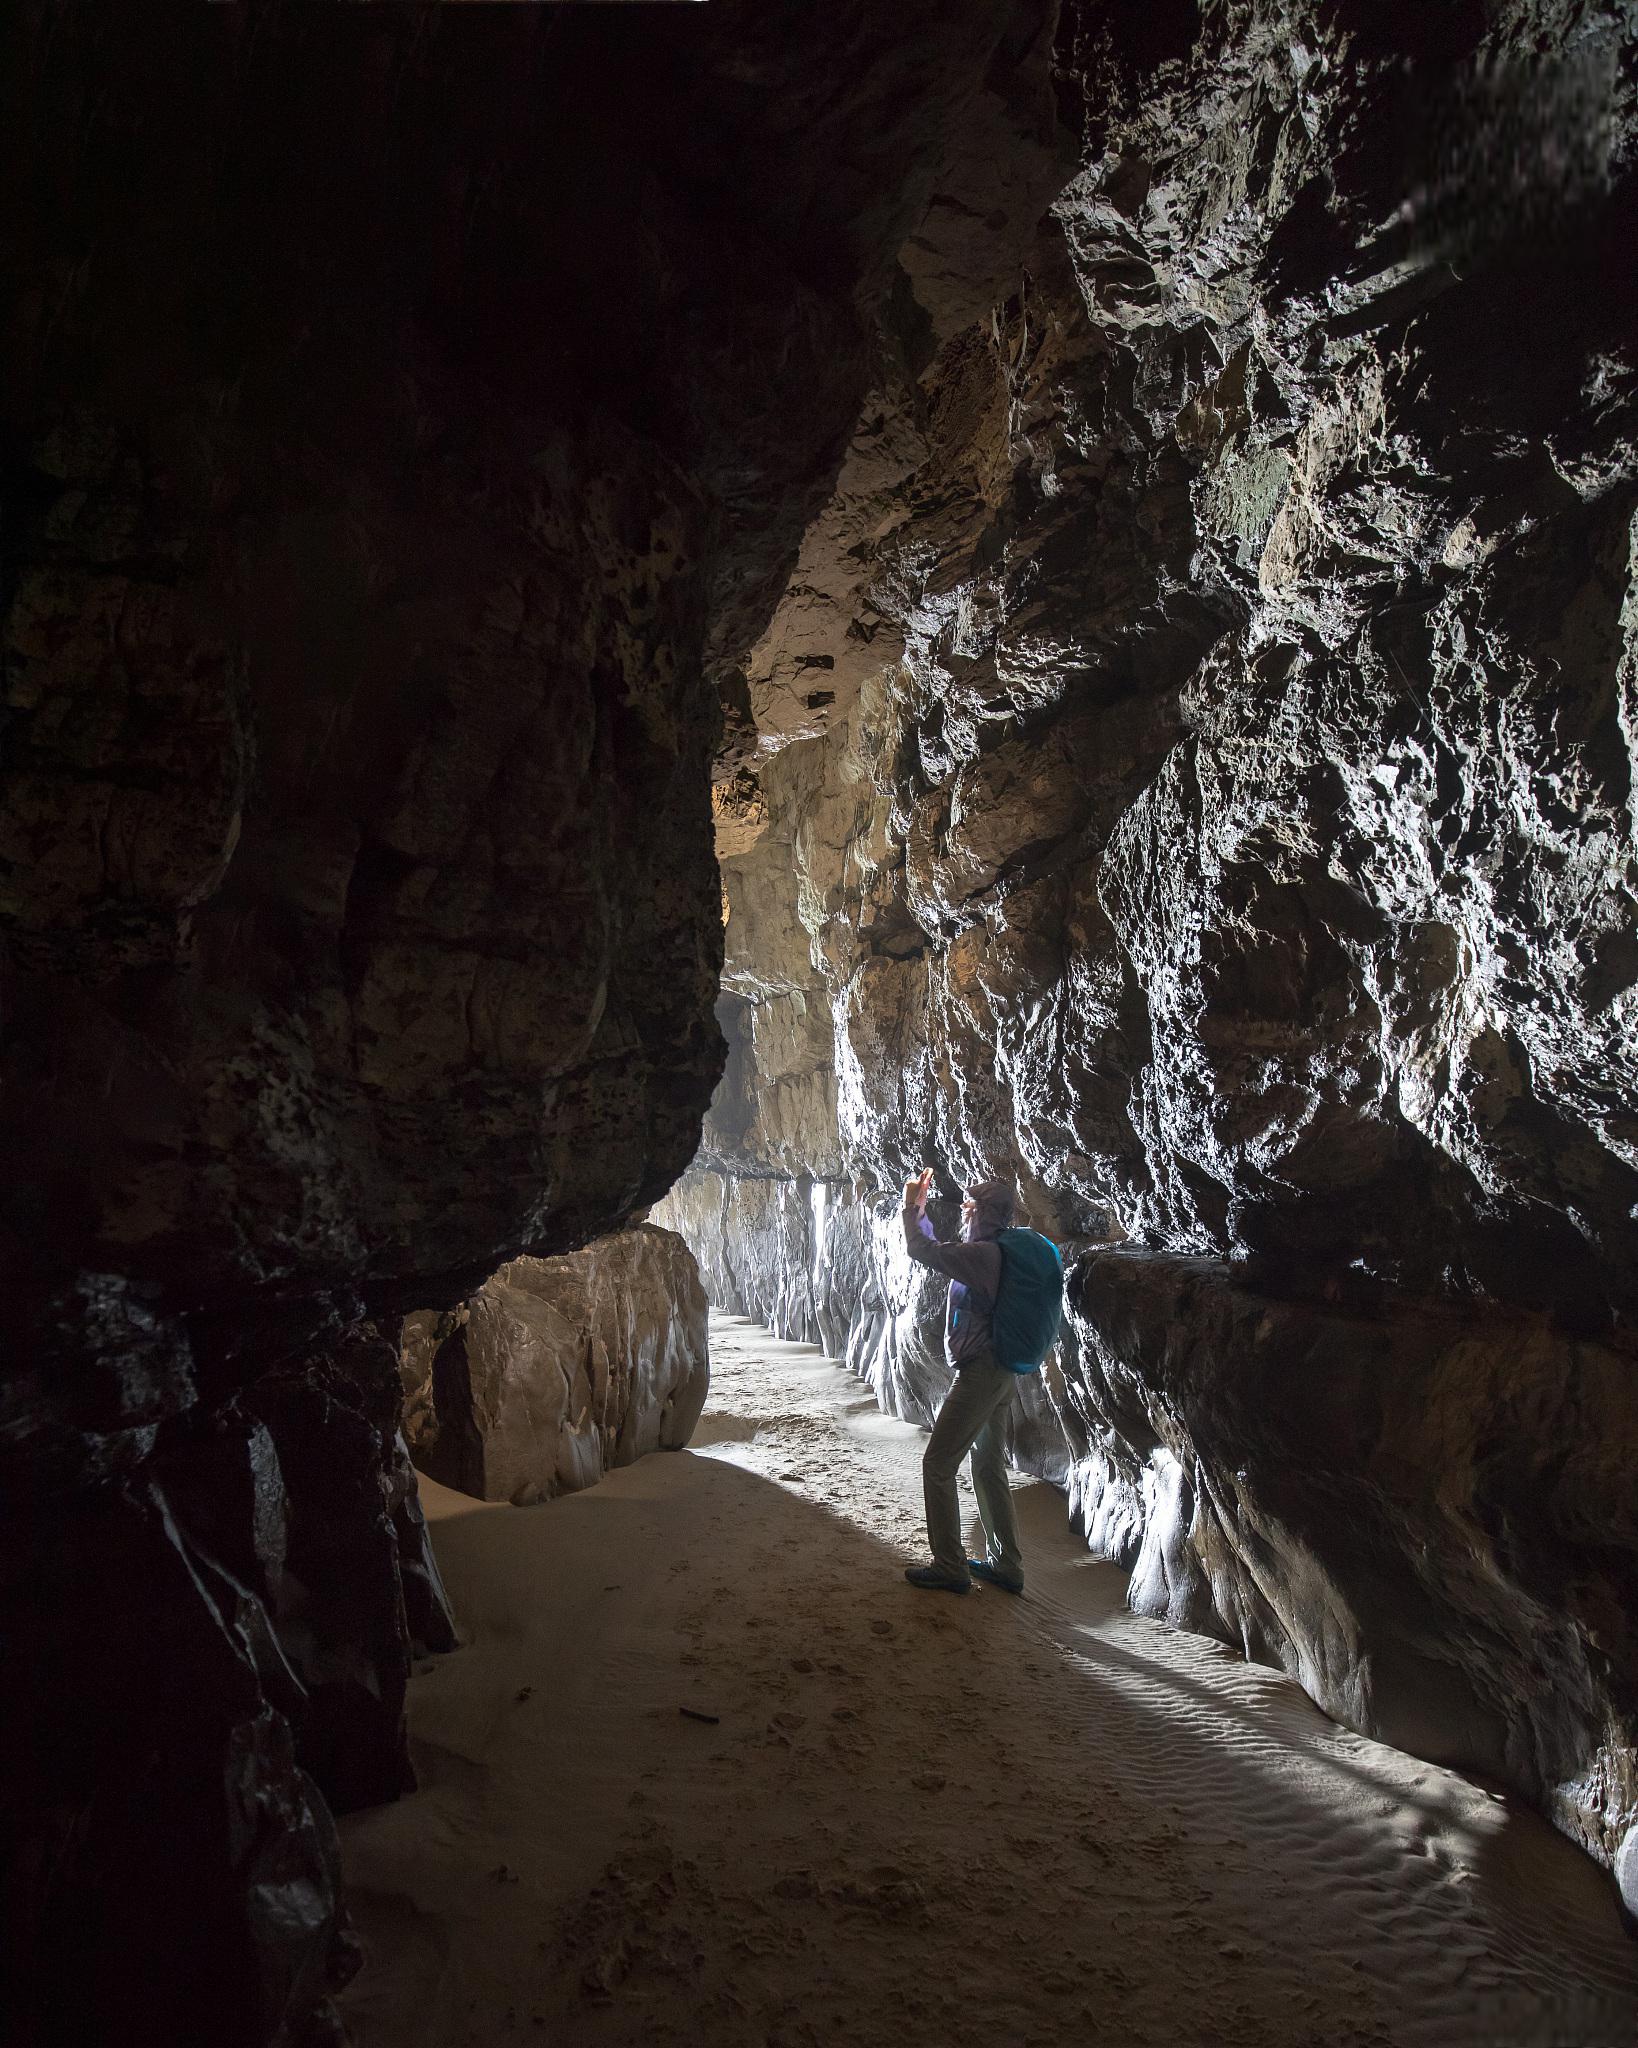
{"x": 1235, "y": 844}
{"x": 1418, "y": 1512}
{"x": 216, "y": 1632}
{"x": 557, "y": 1370}
{"x": 410, "y": 417}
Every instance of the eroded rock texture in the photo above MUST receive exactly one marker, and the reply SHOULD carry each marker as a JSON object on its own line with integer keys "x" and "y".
{"x": 194, "y": 1645}
{"x": 1425, "y": 1514}
{"x": 1218, "y": 815}
{"x": 410, "y": 418}
{"x": 557, "y": 1370}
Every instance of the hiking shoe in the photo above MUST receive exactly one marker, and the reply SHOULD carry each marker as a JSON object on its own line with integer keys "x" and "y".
{"x": 933, "y": 1580}
{"x": 981, "y": 1568}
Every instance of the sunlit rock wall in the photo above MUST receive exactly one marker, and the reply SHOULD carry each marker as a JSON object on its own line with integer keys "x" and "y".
{"x": 1423, "y": 1512}
{"x": 1222, "y": 823}
{"x": 557, "y": 1370}
{"x": 408, "y": 420}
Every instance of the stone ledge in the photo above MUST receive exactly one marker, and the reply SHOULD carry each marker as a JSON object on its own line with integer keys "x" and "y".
{"x": 1425, "y": 1516}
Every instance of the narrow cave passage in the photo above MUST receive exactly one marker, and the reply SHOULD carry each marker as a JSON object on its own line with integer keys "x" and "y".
{"x": 623, "y": 625}
{"x": 909, "y": 1821}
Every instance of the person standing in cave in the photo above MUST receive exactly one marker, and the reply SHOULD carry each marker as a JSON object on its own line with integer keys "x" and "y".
{"x": 989, "y": 1256}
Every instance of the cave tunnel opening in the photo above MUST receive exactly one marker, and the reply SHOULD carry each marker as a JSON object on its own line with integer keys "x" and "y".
{"x": 625, "y": 625}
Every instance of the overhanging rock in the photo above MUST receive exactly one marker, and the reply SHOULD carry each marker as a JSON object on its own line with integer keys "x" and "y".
{"x": 1425, "y": 1515}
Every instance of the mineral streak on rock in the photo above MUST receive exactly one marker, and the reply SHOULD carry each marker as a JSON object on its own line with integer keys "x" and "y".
{"x": 557, "y": 1370}
{"x": 1220, "y": 820}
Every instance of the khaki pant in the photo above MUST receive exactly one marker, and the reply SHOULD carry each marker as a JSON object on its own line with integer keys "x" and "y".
{"x": 971, "y": 1420}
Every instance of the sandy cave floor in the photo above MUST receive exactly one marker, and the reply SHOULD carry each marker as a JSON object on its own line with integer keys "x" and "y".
{"x": 917, "y": 1818}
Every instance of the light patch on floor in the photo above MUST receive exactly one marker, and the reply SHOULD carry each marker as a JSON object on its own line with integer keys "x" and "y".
{"x": 708, "y": 1772}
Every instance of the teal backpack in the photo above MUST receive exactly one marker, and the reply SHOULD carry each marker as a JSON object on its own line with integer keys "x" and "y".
{"x": 1024, "y": 1321}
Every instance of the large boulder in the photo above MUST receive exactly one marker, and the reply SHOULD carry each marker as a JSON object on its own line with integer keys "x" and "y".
{"x": 557, "y": 1370}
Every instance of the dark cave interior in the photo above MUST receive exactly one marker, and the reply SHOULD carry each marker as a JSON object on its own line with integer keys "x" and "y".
{"x": 1053, "y": 583}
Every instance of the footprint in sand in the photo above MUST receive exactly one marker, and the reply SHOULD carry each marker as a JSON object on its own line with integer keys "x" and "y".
{"x": 1162, "y": 1806}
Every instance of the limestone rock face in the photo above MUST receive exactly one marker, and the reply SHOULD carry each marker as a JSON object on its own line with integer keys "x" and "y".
{"x": 1426, "y": 1516}
{"x": 1235, "y": 843}
{"x": 408, "y": 422}
{"x": 557, "y": 1370}
{"x": 208, "y": 1663}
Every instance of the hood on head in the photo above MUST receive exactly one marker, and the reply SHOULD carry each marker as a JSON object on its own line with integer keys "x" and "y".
{"x": 993, "y": 1205}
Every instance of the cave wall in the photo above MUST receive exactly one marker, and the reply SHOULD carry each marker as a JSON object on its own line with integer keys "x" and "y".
{"x": 1221, "y": 822}
{"x": 410, "y": 417}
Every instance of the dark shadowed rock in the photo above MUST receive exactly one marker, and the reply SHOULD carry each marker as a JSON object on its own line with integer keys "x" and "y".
{"x": 349, "y": 1493}
{"x": 410, "y": 418}
{"x": 218, "y": 1631}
